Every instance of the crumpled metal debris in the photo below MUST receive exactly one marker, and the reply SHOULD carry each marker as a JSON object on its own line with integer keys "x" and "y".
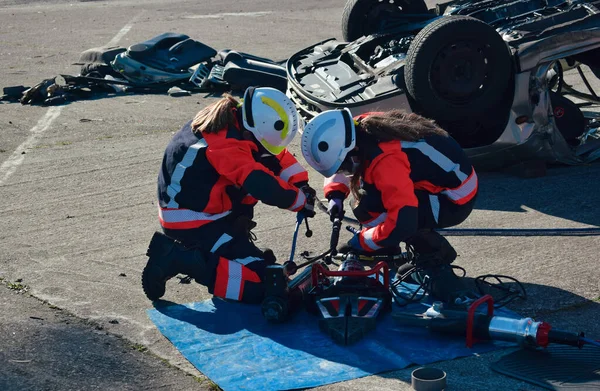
{"x": 589, "y": 149}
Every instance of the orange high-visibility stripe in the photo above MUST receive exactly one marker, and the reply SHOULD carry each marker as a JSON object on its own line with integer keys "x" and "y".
{"x": 222, "y": 278}
{"x": 247, "y": 275}
{"x": 336, "y": 182}
{"x": 174, "y": 218}
{"x": 459, "y": 195}
{"x": 465, "y": 192}
{"x": 231, "y": 277}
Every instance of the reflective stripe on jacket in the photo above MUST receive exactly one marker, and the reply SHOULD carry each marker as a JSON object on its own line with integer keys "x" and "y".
{"x": 394, "y": 170}
{"x": 203, "y": 179}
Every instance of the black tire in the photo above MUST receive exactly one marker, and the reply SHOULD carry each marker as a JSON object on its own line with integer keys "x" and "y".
{"x": 364, "y": 17}
{"x": 459, "y": 70}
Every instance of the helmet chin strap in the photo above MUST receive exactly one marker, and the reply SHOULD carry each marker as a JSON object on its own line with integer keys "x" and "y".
{"x": 247, "y": 135}
{"x": 351, "y": 163}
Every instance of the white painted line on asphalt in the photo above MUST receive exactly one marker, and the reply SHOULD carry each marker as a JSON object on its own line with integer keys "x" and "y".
{"x": 215, "y": 16}
{"x": 123, "y": 31}
{"x": 18, "y": 156}
{"x": 10, "y": 165}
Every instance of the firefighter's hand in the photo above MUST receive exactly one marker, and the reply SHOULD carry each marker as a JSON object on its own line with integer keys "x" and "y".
{"x": 309, "y": 192}
{"x": 309, "y": 208}
{"x": 335, "y": 208}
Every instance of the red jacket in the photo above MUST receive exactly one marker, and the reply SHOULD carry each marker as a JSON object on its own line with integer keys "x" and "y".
{"x": 205, "y": 178}
{"x": 394, "y": 170}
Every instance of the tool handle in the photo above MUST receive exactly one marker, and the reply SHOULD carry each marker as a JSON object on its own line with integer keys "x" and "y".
{"x": 335, "y": 235}
{"x": 471, "y": 316}
{"x": 290, "y": 264}
{"x": 309, "y": 232}
{"x": 565, "y": 338}
{"x": 352, "y": 229}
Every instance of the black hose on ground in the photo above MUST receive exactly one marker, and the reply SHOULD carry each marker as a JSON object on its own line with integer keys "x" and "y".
{"x": 592, "y": 231}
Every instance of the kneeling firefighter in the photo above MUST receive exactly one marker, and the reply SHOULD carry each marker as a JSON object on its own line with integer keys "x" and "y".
{"x": 214, "y": 170}
{"x": 407, "y": 175}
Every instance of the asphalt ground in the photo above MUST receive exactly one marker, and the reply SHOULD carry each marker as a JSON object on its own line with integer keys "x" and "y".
{"x": 78, "y": 184}
{"x": 46, "y": 348}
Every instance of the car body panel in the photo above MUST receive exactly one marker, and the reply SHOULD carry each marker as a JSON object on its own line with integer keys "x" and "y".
{"x": 364, "y": 77}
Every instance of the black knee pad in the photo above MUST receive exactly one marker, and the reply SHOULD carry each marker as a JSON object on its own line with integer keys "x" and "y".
{"x": 254, "y": 292}
{"x": 269, "y": 256}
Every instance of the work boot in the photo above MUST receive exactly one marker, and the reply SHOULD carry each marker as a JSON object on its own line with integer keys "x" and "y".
{"x": 405, "y": 268}
{"x": 432, "y": 248}
{"x": 443, "y": 284}
{"x": 166, "y": 259}
{"x": 433, "y": 267}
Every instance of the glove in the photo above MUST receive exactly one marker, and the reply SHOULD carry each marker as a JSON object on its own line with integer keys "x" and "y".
{"x": 309, "y": 208}
{"x": 309, "y": 192}
{"x": 353, "y": 246}
{"x": 335, "y": 208}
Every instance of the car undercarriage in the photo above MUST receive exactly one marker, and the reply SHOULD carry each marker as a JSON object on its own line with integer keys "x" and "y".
{"x": 490, "y": 72}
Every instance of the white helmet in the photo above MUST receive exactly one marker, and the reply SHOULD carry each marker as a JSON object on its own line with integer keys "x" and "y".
{"x": 271, "y": 117}
{"x": 327, "y": 139}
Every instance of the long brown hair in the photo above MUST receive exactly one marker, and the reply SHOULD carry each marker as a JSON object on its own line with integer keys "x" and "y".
{"x": 216, "y": 116}
{"x": 388, "y": 126}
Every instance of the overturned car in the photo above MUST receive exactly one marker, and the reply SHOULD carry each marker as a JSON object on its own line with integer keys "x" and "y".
{"x": 490, "y": 72}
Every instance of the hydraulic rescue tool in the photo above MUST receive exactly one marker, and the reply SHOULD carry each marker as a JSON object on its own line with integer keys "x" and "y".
{"x": 282, "y": 294}
{"x": 477, "y": 326}
{"x": 347, "y": 300}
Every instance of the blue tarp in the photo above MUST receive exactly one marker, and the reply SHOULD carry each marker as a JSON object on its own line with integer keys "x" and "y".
{"x": 238, "y": 349}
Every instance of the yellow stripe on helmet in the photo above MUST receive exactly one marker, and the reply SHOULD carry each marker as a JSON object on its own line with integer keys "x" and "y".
{"x": 274, "y": 149}
{"x": 280, "y": 111}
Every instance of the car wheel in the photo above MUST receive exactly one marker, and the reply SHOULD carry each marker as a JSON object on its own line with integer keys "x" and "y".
{"x": 364, "y": 17}
{"x": 459, "y": 70}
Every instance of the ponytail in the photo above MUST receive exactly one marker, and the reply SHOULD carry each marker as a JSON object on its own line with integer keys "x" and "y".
{"x": 388, "y": 126}
{"x": 216, "y": 116}
{"x": 399, "y": 125}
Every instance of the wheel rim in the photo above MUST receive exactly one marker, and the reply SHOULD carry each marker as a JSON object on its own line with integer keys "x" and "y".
{"x": 461, "y": 71}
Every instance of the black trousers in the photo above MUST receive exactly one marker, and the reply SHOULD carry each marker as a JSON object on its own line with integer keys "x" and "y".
{"x": 437, "y": 211}
{"x": 234, "y": 266}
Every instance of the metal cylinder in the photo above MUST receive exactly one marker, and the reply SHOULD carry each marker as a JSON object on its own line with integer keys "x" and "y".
{"x": 522, "y": 331}
{"x": 350, "y": 264}
{"x": 428, "y": 379}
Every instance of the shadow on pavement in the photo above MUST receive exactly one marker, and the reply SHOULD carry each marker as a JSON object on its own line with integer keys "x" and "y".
{"x": 541, "y": 301}
{"x": 565, "y": 192}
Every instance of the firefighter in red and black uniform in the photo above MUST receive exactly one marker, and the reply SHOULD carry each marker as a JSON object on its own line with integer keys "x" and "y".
{"x": 408, "y": 177}
{"x": 214, "y": 170}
